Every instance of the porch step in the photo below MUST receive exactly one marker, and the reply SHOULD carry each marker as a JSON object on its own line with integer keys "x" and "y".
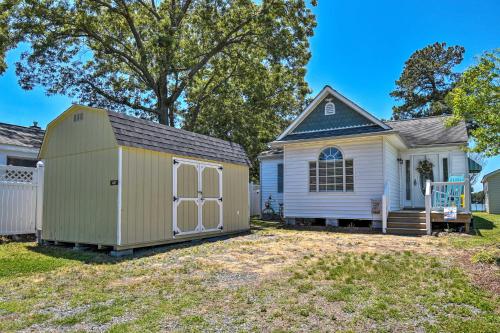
{"x": 407, "y": 214}
{"x": 413, "y": 219}
{"x": 406, "y": 231}
{"x": 406, "y": 224}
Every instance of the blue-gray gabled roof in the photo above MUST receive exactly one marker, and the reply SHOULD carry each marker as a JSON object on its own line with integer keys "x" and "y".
{"x": 350, "y": 119}
{"x": 334, "y": 133}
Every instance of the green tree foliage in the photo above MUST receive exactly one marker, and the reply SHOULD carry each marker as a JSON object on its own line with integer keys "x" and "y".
{"x": 230, "y": 68}
{"x": 476, "y": 100}
{"x": 426, "y": 80}
{"x": 478, "y": 197}
{"x": 6, "y": 42}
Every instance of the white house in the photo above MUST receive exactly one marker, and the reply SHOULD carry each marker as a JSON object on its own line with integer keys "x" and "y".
{"x": 339, "y": 161}
{"x": 19, "y": 145}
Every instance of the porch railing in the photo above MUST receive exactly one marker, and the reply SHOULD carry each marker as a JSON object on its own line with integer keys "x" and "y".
{"x": 439, "y": 195}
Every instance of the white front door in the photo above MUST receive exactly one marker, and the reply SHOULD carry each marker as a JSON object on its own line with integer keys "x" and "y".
{"x": 418, "y": 181}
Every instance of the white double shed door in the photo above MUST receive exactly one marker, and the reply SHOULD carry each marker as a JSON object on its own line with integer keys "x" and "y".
{"x": 197, "y": 195}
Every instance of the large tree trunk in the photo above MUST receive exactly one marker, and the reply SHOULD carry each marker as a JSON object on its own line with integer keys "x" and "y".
{"x": 163, "y": 116}
{"x": 163, "y": 108}
{"x": 171, "y": 116}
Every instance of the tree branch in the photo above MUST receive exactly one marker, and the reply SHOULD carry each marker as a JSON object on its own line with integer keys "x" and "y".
{"x": 116, "y": 99}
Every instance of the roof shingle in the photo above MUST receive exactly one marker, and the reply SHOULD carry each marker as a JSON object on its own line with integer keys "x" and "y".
{"x": 29, "y": 137}
{"x": 140, "y": 133}
{"x": 429, "y": 131}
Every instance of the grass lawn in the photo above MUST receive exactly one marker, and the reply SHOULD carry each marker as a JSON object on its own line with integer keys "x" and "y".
{"x": 273, "y": 279}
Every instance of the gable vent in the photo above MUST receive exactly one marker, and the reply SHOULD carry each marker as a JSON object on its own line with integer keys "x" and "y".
{"x": 329, "y": 108}
{"x": 77, "y": 117}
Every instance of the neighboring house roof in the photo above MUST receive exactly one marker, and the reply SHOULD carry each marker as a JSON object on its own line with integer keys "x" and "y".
{"x": 270, "y": 154}
{"x": 429, "y": 131}
{"x": 485, "y": 177}
{"x": 27, "y": 137}
{"x": 134, "y": 132}
{"x": 474, "y": 167}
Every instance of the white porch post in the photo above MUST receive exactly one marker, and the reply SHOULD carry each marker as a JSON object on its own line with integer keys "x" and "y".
{"x": 467, "y": 194}
{"x": 428, "y": 206}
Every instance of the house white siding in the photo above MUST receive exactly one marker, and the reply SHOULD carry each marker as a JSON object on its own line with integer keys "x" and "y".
{"x": 269, "y": 183}
{"x": 458, "y": 163}
{"x": 367, "y": 154}
{"x": 16, "y": 151}
{"x": 392, "y": 174}
{"x": 491, "y": 189}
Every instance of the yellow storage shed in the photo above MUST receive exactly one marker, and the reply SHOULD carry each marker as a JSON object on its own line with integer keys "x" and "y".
{"x": 119, "y": 181}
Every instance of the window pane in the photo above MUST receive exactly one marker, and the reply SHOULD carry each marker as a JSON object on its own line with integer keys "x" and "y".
{"x": 329, "y": 154}
{"x": 322, "y": 172}
{"x": 349, "y": 179}
{"x": 338, "y": 164}
{"x": 348, "y": 163}
{"x": 349, "y": 171}
{"x": 445, "y": 169}
{"x": 339, "y": 171}
{"x": 407, "y": 180}
{"x": 280, "y": 178}
{"x": 339, "y": 187}
{"x": 349, "y": 187}
{"x": 339, "y": 180}
{"x": 322, "y": 188}
{"x": 312, "y": 176}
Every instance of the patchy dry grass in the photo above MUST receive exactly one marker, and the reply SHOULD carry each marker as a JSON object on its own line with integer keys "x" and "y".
{"x": 274, "y": 279}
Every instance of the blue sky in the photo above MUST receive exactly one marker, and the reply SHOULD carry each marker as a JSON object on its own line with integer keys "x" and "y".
{"x": 359, "y": 48}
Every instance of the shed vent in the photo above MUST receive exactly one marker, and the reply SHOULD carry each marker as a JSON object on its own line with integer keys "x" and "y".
{"x": 77, "y": 117}
{"x": 329, "y": 108}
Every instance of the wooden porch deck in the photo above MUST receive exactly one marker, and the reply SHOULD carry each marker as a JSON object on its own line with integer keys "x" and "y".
{"x": 412, "y": 221}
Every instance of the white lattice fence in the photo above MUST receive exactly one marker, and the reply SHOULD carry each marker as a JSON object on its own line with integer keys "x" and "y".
{"x": 20, "y": 199}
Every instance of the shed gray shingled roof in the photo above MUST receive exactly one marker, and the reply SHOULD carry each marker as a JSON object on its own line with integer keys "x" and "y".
{"x": 429, "y": 131}
{"x": 29, "y": 137}
{"x": 140, "y": 133}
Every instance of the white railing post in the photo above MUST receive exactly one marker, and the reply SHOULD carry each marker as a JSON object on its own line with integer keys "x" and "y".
{"x": 428, "y": 206}
{"x": 467, "y": 195}
{"x": 40, "y": 169}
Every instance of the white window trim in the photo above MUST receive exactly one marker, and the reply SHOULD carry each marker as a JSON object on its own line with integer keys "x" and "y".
{"x": 344, "y": 183}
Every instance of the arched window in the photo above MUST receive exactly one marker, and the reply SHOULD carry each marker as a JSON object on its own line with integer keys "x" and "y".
{"x": 330, "y": 154}
{"x": 331, "y": 172}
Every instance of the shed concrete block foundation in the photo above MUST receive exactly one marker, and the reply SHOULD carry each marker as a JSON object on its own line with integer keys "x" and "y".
{"x": 290, "y": 221}
{"x": 121, "y": 253}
